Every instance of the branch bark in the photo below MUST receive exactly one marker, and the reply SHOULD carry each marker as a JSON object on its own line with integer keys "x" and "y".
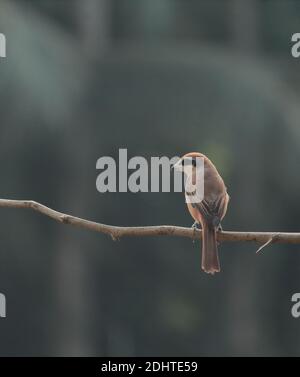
{"x": 116, "y": 232}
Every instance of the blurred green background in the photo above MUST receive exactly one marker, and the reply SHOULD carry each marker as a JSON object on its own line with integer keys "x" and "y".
{"x": 158, "y": 77}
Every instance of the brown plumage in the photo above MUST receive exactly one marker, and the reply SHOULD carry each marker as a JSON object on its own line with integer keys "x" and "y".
{"x": 210, "y": 210}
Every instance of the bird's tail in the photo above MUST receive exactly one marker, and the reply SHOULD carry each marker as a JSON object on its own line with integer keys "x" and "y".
{"x": 210, "y": 258}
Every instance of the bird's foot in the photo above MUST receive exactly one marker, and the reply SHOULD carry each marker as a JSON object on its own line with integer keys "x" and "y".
{"x": 195, "y": 226}
{"x": 219, "y": 229}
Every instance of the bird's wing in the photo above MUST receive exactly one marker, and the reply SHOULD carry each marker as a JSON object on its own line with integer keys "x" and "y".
{"x": 212, "y": 212}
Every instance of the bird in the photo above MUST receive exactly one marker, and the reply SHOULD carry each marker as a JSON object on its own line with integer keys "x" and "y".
{"x": 207, "y": 210}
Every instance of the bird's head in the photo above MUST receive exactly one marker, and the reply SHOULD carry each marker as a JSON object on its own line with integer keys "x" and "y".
{"x": 187, "y": 163}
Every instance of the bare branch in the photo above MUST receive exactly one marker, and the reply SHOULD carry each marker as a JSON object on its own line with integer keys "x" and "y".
{"x": 116, "y": 232}
{"x": 271, "y": 240}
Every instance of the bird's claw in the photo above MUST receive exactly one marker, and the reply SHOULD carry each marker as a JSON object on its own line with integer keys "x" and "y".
{"x": 219, "y": 229}
{"x": 195, "y": 227}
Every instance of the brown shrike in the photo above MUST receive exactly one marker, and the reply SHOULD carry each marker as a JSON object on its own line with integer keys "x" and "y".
{"x": 210, "y": 209}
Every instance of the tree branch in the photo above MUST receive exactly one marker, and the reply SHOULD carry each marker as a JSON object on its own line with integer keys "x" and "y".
{"x": 117, "y": 232}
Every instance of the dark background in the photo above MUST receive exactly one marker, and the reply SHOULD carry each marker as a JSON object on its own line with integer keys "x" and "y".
{"x": 160, "y": 78}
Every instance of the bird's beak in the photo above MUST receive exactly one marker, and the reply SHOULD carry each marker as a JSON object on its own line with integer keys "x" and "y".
{"x": 177, "y": 166}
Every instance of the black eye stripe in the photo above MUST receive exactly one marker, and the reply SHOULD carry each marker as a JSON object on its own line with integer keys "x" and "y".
{"x": 189, "y": 162}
